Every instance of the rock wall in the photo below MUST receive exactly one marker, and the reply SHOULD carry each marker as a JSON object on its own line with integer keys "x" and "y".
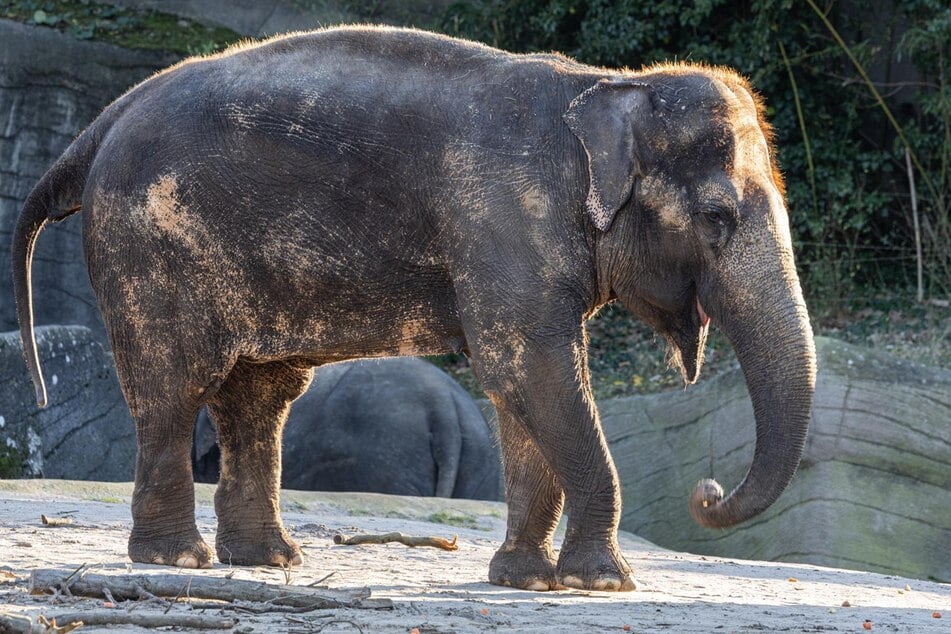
{"x": 86, "y": 432}
{"x": 51, "y": 87}
{"x": 266, "y": 17}
{"x": 873, "y": 491}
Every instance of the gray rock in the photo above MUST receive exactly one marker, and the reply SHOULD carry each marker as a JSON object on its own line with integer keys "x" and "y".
{"x": 51, "y": 86}
{"x": 873, "y": 491}
{"x": 86, "y": 432}
{"x": 267, "y": 17}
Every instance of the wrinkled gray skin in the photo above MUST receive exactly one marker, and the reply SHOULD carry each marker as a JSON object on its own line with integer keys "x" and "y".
{"x": 400, "y": 426}
{"x": 377, "y": 192}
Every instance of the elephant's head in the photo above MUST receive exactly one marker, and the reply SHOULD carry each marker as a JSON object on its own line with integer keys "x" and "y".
{"x": 692, "y": 227}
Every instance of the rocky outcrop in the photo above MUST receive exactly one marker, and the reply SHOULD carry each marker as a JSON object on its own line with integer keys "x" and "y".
{"x": 86, "y": 432}
{"x": 873, "y": 491}
{"x": 51, "y": 86}
{"x": 266, "y": 17}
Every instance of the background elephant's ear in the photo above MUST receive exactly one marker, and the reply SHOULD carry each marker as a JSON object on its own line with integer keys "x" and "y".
{"x": 603, "y": 118}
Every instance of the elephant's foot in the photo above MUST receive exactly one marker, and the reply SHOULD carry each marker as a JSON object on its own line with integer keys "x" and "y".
{"x": 525, "y": 568}
{"x": 594, "y": 566}
{"x": 268, "y": 547}
{"x": 185, "y": 551}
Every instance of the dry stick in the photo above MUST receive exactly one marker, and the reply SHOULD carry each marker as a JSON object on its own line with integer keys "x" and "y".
{"x": 121, "y": 617}
{"x": 131, "y": 586}
{"x": 914, "y": 216}
{"x": 321, "y": 580}
{"x": 408, "y": 540}
{"x": 56, "y": 521}
{"x": 51, "y": 627}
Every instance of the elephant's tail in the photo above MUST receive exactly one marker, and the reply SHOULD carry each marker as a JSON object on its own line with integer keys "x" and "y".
{"x": 447, "y": 452}
{"x": 58, "y": 195}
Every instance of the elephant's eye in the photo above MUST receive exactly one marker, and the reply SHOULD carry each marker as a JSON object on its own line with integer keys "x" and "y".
{"x": 716, "y": 223}
{"x": 715, "y": 215}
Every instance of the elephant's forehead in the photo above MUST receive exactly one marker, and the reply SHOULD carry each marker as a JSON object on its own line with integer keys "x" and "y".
{"x": 751, "y": 160}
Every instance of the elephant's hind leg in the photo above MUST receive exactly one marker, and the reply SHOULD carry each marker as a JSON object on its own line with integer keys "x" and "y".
{"x": 163, "y": 501}
{"x": 249, "y": 411}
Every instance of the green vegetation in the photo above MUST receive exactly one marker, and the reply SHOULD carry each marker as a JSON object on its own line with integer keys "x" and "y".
{"x": 126, "y": 27}
{"x": 450, "y": 518}
{"x": 11, "y": 463}
{"x": 107, "y": 499}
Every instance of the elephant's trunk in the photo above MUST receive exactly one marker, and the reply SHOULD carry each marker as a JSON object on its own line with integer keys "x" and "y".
{"x": 772, "y": 337}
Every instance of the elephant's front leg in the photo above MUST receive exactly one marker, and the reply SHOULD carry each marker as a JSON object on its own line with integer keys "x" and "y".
{"x": 541, "y": 382}
{"x": 249, "y": 411}
{"x": 534, "y": 497}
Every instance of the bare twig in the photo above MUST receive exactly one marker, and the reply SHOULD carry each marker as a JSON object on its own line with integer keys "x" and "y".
{"x": 184, "y": 590}
{"x": 321, "y": 580}
{"x": 914, "y": 216}
{"x": 408, "y": 540}
{"x": 51, "y": 627}
{"x": 55, "y": 521}
{"x": 203, "y": 587}
{"x": 335, "y": 621}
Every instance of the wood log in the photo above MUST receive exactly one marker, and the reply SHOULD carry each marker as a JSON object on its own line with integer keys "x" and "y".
{"x": 46, "y": 580}
{"x": 145, "y": 619}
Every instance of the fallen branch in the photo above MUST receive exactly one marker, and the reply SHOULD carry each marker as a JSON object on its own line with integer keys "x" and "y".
{"x": 408, "y": 540}
{"x": 56, "y": 521}
{"x": 44, "y": 581}
{"x": 121, "y": 617}
{"x": 250, "y": 608}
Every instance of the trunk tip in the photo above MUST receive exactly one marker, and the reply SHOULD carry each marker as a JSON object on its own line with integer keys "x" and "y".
{"x": 705, "y": 497}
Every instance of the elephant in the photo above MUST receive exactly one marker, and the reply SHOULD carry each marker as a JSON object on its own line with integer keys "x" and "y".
{"x": 372, "y": 191}
{"x": 400, "y": 426}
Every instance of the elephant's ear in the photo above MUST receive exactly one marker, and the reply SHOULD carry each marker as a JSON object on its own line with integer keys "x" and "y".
{"x": 603, "y": 118}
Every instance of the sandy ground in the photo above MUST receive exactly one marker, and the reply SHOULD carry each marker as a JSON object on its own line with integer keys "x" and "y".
{"x": 439, "y": 591}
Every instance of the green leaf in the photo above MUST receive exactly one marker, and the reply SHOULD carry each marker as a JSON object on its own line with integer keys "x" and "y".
{"x": 39, "y": 16}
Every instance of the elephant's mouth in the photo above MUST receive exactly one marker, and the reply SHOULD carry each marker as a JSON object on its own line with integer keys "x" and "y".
{"x": 687, "y": 341}
{"x": 683, "y": 325}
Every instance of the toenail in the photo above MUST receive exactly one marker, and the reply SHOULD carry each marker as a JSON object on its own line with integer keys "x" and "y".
{"x": 608, "y": 584}
{"x": 537, "y": 585}
{"x": 186, "y": 561}
{"x": 572, "y": 581}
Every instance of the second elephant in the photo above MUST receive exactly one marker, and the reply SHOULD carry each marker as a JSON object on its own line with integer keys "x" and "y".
{"x": 398, "y": 426}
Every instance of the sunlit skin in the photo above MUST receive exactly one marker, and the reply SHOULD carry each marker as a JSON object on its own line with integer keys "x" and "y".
{"x": 377, "y": 192}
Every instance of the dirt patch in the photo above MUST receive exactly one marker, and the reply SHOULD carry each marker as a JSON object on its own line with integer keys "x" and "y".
{"x": 439, "y": 591}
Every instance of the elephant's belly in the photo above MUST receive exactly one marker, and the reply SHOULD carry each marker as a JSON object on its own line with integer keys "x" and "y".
{"x": 343, "y": 327}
